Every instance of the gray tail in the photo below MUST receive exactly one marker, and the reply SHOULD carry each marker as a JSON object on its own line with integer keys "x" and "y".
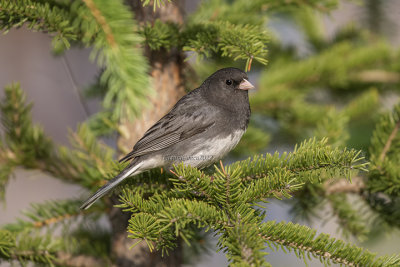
{"x": 131, "y": 169}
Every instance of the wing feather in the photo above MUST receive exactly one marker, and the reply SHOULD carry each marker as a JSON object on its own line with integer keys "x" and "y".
{"x": 171, "y": 129}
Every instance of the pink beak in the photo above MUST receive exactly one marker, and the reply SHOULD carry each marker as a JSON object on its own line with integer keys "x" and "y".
{"x": 245, "y": 85}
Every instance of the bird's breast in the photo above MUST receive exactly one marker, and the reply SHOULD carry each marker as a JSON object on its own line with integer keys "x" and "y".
{"x": 203, "y": 152}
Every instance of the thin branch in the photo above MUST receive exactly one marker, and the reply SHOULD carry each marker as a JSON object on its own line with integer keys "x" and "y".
{"x": 102, "y": 21}
{"x": 376, "y": 76}
{"x": 319, "y": 253}
{"x": 66, "y": 259}
{"x": 389, "y": 142}
{"x": 75, "y": 86}
{"x": 49, "y": 221}
{"x": 344, "y": 186}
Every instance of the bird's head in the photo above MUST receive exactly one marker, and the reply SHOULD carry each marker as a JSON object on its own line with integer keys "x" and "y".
{"x": 229, "y": 80}
{"x": 228, "y": 88}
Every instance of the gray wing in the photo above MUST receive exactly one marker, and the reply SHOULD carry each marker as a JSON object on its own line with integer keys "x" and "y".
{"x": 174, "y": 127}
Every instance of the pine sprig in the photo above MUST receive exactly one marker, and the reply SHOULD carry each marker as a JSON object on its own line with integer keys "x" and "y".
{"x": 7, "y": 167}
{"x": 236, "y": 41}
{"x": 26, "y": 248}
{"x": 350, "y": 220}
{"x": 47, "y": 214}
{"x": 161, "y": 34}
{"x": 257, "y": 10}
{"x": 304, "y": 240}
{"x": 90, "y": 162}
{"x": 312, "y": 160}
{"x": 323, "y": 68}
{"x": 24, "y": 143}
{"x": 243, "y": 245}
{"x": 7, "y": 242}
{"x": 385, "y": 143}
{"x": 223, "y": 201}
{"x": 188, "y": 179}
{"x": 111, "y": 30}
{"x": 38, "y": 17}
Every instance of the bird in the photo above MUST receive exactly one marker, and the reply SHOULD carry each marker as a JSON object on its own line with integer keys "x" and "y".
{"x": 200, "y": 129}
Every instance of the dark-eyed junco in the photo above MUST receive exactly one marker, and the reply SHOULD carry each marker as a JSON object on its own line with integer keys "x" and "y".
{"x": 200, "y": 129}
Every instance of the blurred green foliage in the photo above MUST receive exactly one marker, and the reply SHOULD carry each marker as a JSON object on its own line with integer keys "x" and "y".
{"x": 341, "y": 90}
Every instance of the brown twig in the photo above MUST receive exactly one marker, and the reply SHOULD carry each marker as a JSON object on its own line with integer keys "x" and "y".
{"x": 102, "y": 21}
{"x": 67, "y": 259}
{"x": 389, "y": 142}
{"x": 344, "y": 186}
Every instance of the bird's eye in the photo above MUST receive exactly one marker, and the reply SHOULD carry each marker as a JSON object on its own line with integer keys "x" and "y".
{"x": 228, "y": 82}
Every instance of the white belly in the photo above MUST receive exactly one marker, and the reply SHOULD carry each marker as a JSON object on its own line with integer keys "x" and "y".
{"x": 206, "y": 152}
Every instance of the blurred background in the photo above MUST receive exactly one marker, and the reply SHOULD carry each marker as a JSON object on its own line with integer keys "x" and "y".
{"x": 56, "y": 84}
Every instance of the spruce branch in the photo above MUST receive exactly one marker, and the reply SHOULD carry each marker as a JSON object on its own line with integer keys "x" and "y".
{"x": 385, "y": 142}
{"x": 48, "y": 214}
{"x": 40, "y": 250}
{"x": 24, "y": 143}
{"x": 324, "y": 68}
{"x": 389, "y": 141}
{"x": 305, "y": 240}
{"x": 192, "y": 178}
{"x": 362, "y": 105}
{"x": 350, "y": 219}
{"x": 111, "y": 29}
{"x": 249, "y": 42}
{"x": 223, "y": 201}
{"x": 222, "y": 10}
{"x": 7, "y": 167}
{"x": 89, "y": 162}
{"x": 7, "y": 242}
{"x": 25, "y": 248}
{"x": 243, "y": 245}
{"x": 52, "y": 19}
{"x": 312, "y": 160}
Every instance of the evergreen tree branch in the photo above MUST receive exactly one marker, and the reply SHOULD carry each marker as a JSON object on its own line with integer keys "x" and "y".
{"x": 223, "y": 201}
{"x": 24, "y": 143}
{"x": 350, "y": 219}
{"x": 89, "y": 162}
{"x": 102, "y": 22}
{"x": 323, "y": 68}
{"x": 356, "y": 186}
{"x": 210, "y": 39}
{"x": 222, "y": 10}
{"x": 37, "y": 16}
{"x": 389, "y": 141}
{"x": 125, "y": 66}
{"x": 243, "y": 245}
{"x": 7, "y": 167}
{"x": 304, "y": 240}
{"x": 48, "y": 214}
{"x": 249, "y": 42}
{"x": 25, "y": 248}
{"x": 40, "y": 250}
{"x": 309, "y": 161}
{"x": 384, "y": 157}
{"x": 376, "y": 76}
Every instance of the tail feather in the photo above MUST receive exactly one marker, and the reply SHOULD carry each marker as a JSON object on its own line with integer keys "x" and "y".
{"x": 132, "y": 169}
